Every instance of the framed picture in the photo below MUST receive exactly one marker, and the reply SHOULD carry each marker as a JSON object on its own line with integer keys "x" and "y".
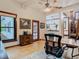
{"x": 25, "y": 23}
{"x": 42, "y": 25}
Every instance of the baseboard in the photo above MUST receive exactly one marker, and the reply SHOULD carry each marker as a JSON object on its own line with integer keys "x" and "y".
{"x": 12, "y": 46}
{"x": 42, "y": 39}
{"x": 65, "y": 35}
{"x": 19, "y": 44}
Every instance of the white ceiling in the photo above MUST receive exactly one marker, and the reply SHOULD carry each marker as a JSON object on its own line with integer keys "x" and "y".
{"x": 40, "y": 4}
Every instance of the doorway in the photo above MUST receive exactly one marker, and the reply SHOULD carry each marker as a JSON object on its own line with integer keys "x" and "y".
{"x": 35, "y": 30}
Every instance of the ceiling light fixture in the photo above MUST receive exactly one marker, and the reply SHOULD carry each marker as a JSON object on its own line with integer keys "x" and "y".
{"x": 47, "y": 9}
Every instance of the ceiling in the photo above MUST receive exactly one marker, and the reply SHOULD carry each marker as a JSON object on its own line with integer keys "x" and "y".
{"x": 40, "y": 4}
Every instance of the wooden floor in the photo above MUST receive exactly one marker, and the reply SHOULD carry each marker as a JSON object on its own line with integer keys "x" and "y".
{"x": 21, "y": 51}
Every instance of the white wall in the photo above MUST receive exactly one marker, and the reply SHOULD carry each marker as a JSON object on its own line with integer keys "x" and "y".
{"x": 29, "y": 13}
{"x": 43, "y": 31}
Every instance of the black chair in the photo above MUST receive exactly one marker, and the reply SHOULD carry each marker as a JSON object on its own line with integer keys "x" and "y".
{"x": 54, "y": 50}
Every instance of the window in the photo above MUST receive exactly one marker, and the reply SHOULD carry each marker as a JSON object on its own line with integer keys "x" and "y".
{"x": 7, "y": 28}
{"x": 53, "y": 22}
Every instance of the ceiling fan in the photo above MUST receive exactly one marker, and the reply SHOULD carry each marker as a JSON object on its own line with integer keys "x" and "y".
{"x": 47, "y": 4}
{"x": 55, "y": 1}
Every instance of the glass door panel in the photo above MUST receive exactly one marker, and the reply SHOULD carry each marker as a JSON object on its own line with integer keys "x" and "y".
{"x": 35, "y": 30}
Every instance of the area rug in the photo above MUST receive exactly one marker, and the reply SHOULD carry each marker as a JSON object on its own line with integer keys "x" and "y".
{"x": 40, "y": 55}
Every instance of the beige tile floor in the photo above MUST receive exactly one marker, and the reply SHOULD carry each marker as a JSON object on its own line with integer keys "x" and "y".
{"x": 32, "y": 50}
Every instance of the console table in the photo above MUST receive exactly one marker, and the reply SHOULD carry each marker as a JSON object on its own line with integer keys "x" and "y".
{"x": 25, "y": 39}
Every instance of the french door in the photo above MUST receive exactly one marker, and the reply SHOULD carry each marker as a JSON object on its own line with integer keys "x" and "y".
{"x": 35, "y": 30}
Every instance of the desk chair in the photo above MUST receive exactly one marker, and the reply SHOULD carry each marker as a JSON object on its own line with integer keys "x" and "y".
{"x": 52, "y": 49}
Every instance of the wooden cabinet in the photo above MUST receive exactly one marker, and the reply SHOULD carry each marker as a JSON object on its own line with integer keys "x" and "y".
{"x": 25, "y": 39}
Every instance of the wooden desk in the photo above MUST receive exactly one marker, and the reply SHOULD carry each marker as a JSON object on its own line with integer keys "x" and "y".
{"x": 71, "y": 43}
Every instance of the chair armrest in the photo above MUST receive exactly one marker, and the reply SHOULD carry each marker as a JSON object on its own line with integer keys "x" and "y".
{"x": 62, "y": 49}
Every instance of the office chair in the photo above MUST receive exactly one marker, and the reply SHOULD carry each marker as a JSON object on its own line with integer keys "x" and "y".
{"x": 51, "y": 48}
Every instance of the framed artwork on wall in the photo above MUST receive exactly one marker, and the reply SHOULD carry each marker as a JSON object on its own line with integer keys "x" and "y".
{"x": 42, "y": 25}
{"x": 25, "y": 23}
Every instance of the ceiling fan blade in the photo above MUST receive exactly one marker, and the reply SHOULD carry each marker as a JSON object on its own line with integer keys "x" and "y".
{"x": 58, "y": 7}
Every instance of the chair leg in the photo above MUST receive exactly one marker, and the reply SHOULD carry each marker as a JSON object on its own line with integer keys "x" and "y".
{"x": 76, "y": 54}
{"x": 72, "y": 52}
